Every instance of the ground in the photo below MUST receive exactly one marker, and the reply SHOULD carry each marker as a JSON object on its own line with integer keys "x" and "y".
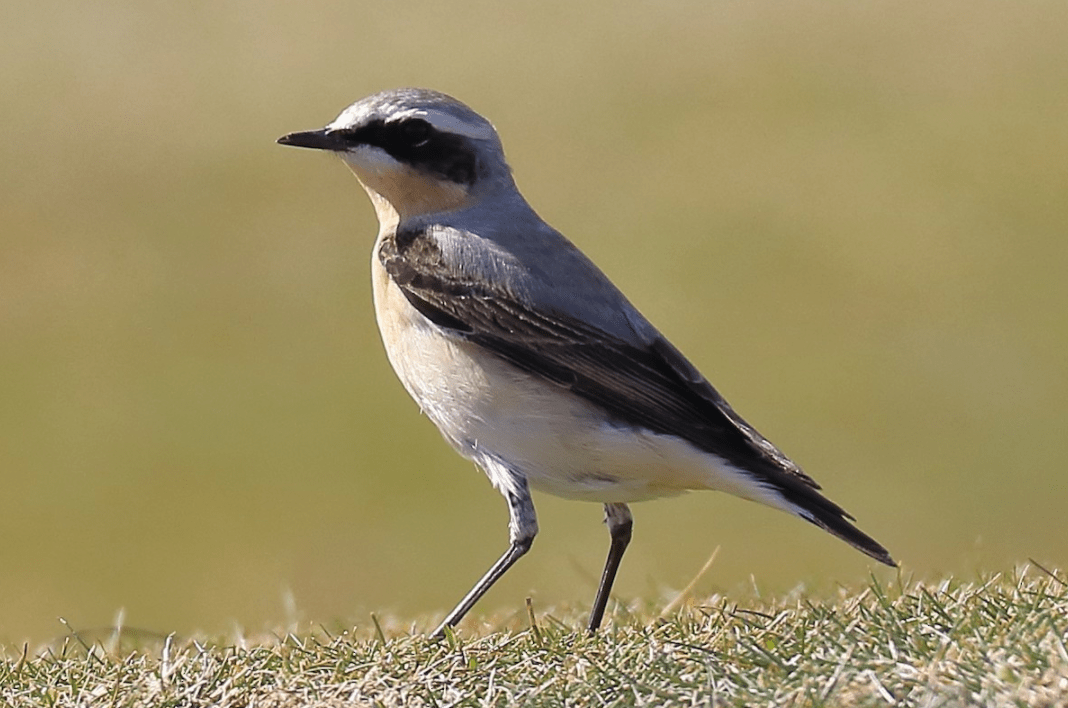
{"x": 998, "y": 640}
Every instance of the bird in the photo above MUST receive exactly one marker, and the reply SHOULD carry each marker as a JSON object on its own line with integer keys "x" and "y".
{"x": 527, "y": 358}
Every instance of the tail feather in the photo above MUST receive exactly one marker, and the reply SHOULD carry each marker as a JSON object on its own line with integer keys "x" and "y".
{"x": 821, "y": 511}
{"x": 843, "y": 529}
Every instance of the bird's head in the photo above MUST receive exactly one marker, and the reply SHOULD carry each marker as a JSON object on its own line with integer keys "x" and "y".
{"x": 415, "y": 151}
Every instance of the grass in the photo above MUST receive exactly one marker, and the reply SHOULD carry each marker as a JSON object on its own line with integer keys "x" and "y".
{"x": 1000, "y": 640}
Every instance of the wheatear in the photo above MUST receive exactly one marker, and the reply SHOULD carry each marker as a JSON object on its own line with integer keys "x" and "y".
{"x": 523, "y": 353}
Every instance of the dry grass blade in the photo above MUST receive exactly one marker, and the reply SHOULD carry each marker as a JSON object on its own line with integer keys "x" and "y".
{"x": 999, "y": 640}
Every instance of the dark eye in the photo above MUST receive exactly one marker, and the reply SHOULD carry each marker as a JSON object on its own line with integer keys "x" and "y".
{"x": 416, "y": 132}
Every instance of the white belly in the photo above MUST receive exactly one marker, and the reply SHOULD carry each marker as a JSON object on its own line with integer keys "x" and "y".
{"x": 488, "y": 409}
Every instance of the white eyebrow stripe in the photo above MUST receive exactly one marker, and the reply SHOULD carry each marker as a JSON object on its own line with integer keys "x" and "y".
{"x": 447, "y": 123}
{"x": 350, "y": 117}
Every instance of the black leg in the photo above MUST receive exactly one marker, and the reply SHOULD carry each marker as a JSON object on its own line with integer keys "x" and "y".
{"x": 522, "y": 527}
{"x": 620, "y": 524}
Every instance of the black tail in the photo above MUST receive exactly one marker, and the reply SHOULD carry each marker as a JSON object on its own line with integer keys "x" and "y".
{"x": 821, "y": 511}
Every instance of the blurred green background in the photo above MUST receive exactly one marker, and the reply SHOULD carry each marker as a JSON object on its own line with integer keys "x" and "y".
{"x": 851, "y": 216}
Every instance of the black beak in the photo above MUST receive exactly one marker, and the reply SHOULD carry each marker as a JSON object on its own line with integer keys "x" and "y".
{"x": 316, "y": 139}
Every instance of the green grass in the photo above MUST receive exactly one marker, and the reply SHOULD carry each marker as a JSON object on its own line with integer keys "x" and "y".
{"x": 999, "y": 640}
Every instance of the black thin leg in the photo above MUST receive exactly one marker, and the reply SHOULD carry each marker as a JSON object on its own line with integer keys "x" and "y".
{"x": 514, "y": 553}
{"x": 522, "y": 527}
{"x": 620, "y": 524}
